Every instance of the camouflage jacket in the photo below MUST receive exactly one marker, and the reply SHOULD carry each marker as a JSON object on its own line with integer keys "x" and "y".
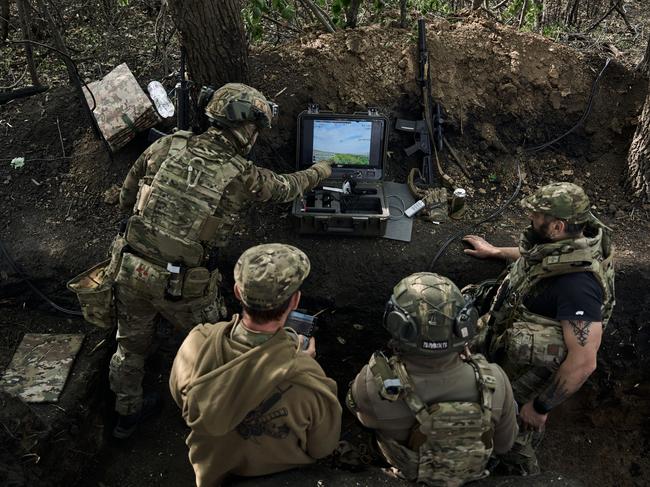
{"x": 232, "y": 181}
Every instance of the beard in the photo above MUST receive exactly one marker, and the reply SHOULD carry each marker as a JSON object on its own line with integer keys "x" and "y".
{"x": 541, "y": 235}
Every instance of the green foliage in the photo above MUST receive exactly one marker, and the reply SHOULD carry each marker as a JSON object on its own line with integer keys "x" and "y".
{"x": 427, "y": 6}
{"x": 255, "y": 9}
{"x": 554, "y": 30}
{"x": 530, "y": 20}
{"x": 123, "y": 3}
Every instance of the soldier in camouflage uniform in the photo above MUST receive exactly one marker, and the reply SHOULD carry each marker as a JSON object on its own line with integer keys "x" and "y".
{"x": 185, "y": 192}
{"x": 438, "y": 415}
{"x": 546, "y": 321}
{"x": 255, "y": 399}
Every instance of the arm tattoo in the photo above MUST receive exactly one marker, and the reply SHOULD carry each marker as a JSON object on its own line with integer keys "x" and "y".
{"x": 554, "y": 395}
{"x": 580, "y": 330}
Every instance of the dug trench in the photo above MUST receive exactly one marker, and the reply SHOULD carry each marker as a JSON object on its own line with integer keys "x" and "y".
{"x": 60, "y": 215}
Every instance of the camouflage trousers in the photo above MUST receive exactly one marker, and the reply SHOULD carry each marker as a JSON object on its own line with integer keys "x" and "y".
{"x": 136, "y": 327}
{"x": 527, "y": 383}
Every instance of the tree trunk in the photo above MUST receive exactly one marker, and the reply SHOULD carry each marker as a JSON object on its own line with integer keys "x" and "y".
{"x": 476, "y": 4}
{"x": 352, "y": 13}
{"x": 25, "y": 23}
{"x": 638, "y": 158}
{"x": 4, "y": 20}
{"x": 213, "y": 35}
{"x": 644, "y": 64}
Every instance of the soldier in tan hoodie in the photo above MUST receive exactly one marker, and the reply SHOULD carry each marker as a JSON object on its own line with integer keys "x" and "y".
{"x": 255, "y": 400}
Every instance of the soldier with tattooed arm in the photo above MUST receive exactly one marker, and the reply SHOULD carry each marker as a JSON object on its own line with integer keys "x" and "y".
{"x": 546, "y": 321}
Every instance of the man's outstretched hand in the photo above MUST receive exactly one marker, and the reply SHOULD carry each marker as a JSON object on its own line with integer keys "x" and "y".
{"x": 481, "y": 248}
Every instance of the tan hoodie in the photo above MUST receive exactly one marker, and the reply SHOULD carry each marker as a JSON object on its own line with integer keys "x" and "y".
{"x": 252, "y": 410}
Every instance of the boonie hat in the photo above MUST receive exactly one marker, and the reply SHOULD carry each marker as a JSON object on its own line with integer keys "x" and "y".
{"x": 267, "y": 275}
{"x": 566, "y": 201}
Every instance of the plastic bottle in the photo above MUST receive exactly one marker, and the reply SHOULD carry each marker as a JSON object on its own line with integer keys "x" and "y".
{"x": 160, "y": 99}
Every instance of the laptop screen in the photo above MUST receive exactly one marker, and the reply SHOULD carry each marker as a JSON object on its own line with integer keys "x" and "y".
{"x": 349, "y": 141}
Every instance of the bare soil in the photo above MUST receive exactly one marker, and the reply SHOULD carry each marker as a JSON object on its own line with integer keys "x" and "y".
{"x": 502, "y": 91}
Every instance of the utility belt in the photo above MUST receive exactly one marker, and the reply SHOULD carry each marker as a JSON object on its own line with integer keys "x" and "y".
{"x": 170, "y": 281}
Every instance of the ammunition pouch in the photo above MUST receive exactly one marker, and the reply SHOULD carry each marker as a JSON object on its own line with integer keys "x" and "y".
{"x": 535, "y": 344}
{"x": 155, "y": 281}
{"x": 94, "y": 290}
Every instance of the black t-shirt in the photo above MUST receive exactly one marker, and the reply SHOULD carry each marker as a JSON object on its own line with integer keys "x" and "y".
{"x": 576, "y": 296}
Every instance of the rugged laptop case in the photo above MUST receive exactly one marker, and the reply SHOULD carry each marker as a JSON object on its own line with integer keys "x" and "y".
{"x": 364, "y": 211}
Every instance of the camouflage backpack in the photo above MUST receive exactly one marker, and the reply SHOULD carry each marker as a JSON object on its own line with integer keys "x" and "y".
{"x": 451, "y": 442}
{"x": 173, "y": 219}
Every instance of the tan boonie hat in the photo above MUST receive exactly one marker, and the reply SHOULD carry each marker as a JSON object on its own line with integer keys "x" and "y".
{"x": 267, "y": 275}
{"x": 566, "y": 201}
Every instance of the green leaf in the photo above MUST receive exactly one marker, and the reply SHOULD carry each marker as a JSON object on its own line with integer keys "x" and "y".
{"x": 288, "y": 13}
{"x": 336, "y": 8}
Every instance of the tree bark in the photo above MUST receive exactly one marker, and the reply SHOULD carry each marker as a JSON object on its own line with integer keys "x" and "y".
{"x": 25, "y": 23}
{"x": 213, "y": 35}
{"x": 638, "y": 158}
{"x": 644, "y": 64}
{"x": 476, "y": 4}
{"x": 352, "y": 13}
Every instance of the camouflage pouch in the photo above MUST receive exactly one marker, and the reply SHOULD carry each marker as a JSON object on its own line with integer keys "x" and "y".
{"x": 196, "y": 282}
{"x": 94, "y": 290}
{"x": 535, "y": 344}
{"x": 142, "y": 276}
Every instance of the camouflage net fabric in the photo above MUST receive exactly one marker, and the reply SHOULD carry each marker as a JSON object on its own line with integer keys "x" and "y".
{"x": 39, "y": 369}
{"x": 122, "y": 108}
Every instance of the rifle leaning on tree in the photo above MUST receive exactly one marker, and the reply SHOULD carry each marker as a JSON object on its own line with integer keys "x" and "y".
{"x": 429, "y": 129}
{"x": 182, "y": 103}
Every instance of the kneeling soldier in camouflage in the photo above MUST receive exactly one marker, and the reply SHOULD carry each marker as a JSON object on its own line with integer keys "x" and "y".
{"x": 185, "y": 192}
{"x": 438, "y": 415}
{"x": 257, "y": 402}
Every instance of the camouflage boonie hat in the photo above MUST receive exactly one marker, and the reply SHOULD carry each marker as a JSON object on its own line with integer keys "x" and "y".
{"x": 267, "y": 275}
{"x": 237, "y": 103}
{"x": 566, "y": 201}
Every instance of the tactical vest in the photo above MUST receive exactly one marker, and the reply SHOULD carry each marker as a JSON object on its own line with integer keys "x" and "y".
{"x": 531, "y": 339}
{"x": 173, "y": 220}
{"x": 452, "y": 441}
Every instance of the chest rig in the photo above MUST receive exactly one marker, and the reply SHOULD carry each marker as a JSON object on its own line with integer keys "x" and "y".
{"x": 531, "y": 339}
{"x": 452, "y": 441}
{"x": 173, "y": 220}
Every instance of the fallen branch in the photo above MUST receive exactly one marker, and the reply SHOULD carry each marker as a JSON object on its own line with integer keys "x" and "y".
{"x": 280, "y": 24}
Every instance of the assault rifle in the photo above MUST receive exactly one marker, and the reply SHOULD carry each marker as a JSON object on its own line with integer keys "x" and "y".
{"x": 430, "y": 127}
{"x": 182, "y": 103}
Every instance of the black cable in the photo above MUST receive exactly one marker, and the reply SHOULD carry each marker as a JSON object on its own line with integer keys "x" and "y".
{"x": 531, "y": 150}
{"x": 38, "y": 292}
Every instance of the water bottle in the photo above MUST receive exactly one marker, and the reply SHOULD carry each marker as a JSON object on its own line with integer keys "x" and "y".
{"x": 160, "y": 99}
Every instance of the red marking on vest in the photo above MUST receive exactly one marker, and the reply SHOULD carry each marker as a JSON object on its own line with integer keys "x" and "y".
{"x": 142, "y": 271}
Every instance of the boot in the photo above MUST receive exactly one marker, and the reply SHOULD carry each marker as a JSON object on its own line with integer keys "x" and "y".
{"x": 127, "y": 424}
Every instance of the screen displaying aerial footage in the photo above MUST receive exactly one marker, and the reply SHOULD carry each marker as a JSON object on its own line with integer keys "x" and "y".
{"x": 342, "y": 142}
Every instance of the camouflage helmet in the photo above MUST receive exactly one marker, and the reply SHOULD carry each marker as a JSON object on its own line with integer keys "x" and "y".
{"x": 235, "y": 104}
{"x": 267, "y": 275}
{"x": 428, "y": 315}
{"x": 566, "y": 201}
